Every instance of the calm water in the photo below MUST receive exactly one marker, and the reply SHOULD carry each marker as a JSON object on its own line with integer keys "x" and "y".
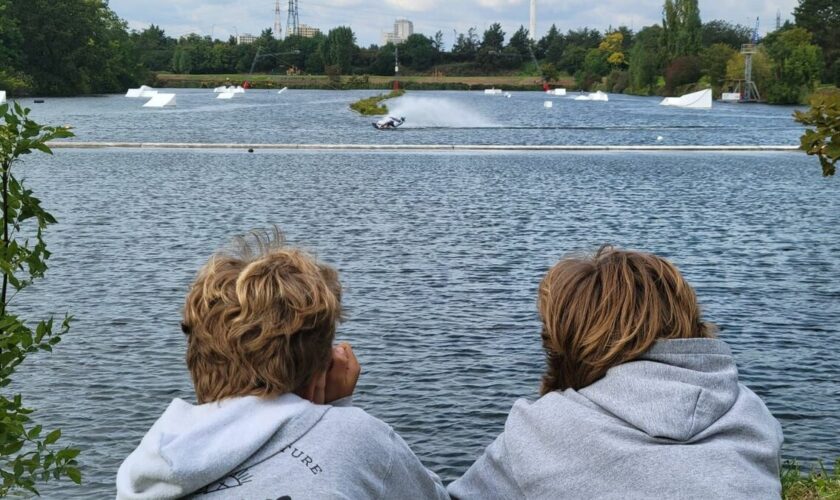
{"x": 300, "y": 116}
{"x": 440, "y": 253}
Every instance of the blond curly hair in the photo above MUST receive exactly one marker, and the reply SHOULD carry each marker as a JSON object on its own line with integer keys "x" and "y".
{"x": 260, "y": 320}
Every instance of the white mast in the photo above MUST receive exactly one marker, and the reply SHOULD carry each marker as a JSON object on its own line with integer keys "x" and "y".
{"x": 533, "y": 32}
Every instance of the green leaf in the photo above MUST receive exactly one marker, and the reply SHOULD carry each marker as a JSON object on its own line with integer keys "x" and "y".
{"x": 74, "y": 474}
{"x": 52, "y": 437}
{"x": 35, "y": 432}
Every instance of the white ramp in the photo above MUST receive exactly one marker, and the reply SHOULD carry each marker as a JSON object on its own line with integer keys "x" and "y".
{"x": 282, "y": 90}
{"x": 144, "y": 91}
{"x": 236, "y": 90}
{"x": 696, "y": 100}
{"x": 226, "y": 95}
{"x": 557, "y": 92}
{"x": 493, "y": 91}
{"x": 2, "y": 97}
{"x": 161, "y": 101}
{"x": 220, "y": 90}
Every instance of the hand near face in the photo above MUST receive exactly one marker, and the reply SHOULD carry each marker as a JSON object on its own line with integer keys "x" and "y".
{"x": 343, "y": 373}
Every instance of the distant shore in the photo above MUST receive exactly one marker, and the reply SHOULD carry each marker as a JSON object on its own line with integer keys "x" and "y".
{"x": 362, "y": 82}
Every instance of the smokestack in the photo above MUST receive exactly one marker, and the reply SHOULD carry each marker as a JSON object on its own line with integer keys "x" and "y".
{"x": 533, "y": 31}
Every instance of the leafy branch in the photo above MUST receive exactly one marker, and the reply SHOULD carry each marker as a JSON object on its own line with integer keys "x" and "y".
{"x": 823, "y": 140}
{"x": 27, "y": 453}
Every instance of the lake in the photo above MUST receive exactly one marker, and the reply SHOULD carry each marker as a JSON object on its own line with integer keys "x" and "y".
{"x": 440, "y": 253}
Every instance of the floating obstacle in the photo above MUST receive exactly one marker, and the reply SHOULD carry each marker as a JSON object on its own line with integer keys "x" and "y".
{"x": 143, "y": 92}
{"x": 282, "y": 90}
{"x": 226, "y": 95}
{"x": 161, "y": 101}
{"x": 696, "y": 100}
{"x": 731, "y": 97}
{"x": 226, "y": 90}
{"x": 595, "y": 96}
{"x": 557, "y": 92}
{"x": 493, "y": 91}
{"x": 548, "y": 104}
{"x": 2, "y": 97}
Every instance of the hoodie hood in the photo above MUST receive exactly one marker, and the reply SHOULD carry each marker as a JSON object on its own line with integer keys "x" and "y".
{"x": 674, "y": 391}
{"x": 191, "y": 446}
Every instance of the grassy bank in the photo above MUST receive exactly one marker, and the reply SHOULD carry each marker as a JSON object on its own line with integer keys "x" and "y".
{"x": 372, "y": 106}
{"x": 816, "y": 484}
{"x": 363, "y": 82}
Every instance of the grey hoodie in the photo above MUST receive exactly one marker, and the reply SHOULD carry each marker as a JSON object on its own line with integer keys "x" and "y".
{"x": 279, "y": 448}
{"x": 674, "y": 424}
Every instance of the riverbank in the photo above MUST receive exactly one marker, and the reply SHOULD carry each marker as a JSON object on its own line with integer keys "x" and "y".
{"x": 817, "y": 484}
{"x": 361, "y": 82}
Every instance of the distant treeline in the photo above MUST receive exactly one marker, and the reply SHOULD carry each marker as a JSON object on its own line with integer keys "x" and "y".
{"x": 80, "y": 46}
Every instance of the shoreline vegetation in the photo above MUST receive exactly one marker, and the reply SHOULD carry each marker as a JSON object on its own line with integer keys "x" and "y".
{"x": 91, "y": 50}
{"x": 357, "y": 82}
{"x": 818, "y": 483}
{"x": 372, "y": 106}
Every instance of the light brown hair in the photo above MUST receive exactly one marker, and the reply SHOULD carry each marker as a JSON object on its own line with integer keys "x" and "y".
{"x": 260, "y": 320}
{"x": 603, "y": 310}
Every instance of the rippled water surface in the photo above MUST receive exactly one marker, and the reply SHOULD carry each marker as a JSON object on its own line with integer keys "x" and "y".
{"x": 306, "y": 116}
{"x": 441, "y": 255}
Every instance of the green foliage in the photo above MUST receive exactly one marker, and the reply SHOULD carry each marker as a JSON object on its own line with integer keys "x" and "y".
{"x": 719, "y": 31}
{"x": 419, "y": 52}
{"x": 822, "y": 17}
{"x": 823, "y": 140}
{"x": 761, "y": 69}
{"x": 817, "y": 483}
{"x": 521, "y": 43}
{"x": 797, "y": 65}
{"x": 339, "y": 48}
{"x": 647, "y": 59}
{"x": 681, "y": 28}
{"x": 73, "y": 47}
{"x": 715, "y": 58}
{"x": 371, "y": 106}
{"x": 27, "y": 454}
{"x": 494, "y": 38}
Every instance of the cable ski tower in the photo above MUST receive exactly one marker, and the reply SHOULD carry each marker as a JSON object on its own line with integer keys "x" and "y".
{"x": 750, "y": 91}
{"x": 293, "y": 21}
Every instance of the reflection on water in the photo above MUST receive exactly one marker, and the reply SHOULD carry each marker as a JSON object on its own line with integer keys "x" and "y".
{"x": 308, "y": 116}
{"x": 441, "y": 255}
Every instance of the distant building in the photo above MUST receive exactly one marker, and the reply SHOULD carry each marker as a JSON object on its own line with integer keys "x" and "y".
{"x": 245, "y": 39}
{"x": 308, "y": 31}
{"x": 403, "y": 28}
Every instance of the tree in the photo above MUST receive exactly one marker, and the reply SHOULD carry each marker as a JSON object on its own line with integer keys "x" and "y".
{"x": 339, "y": 48}
{"x": 681, "y": 27}
{"x": 824, "y": 139}
{"x": 26, "y": 451}
{"x": 419, "y": 52}
{"x": 612, "y": 47}
{"x": 646, "y": 60}
{"x": 494, "y": 38}
{"x": 520, "y": 42}
{"x": 74, "y": 47}
{"x": 682, "y": 71}
{"x": 154, "y": 48}
{"x": 822, "y": 17}
{"x": 715, "y": 58}
{"x": 733, "y": 35}
{"x": 466, "y": 46}
{"x": 547, "y": 41}
{"x": 797, "y": 65}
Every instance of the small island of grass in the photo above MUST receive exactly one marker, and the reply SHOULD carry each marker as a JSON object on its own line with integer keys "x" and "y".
{"x": 371, "y": 106}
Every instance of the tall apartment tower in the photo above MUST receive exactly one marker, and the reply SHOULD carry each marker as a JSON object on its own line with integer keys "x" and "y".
{"x": 533, "y": 31}
{"x": 277, "y": 28}
{"x": 293, "y": 21}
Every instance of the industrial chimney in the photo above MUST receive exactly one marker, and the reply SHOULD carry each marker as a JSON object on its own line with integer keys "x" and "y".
{"x": 533, "y": 31}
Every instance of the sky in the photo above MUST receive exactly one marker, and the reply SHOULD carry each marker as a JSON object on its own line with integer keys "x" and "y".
{"x": 370, "y": 19}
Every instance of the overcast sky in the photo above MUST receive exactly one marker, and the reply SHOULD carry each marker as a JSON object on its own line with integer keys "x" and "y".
{"x": 369, "y": 19}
